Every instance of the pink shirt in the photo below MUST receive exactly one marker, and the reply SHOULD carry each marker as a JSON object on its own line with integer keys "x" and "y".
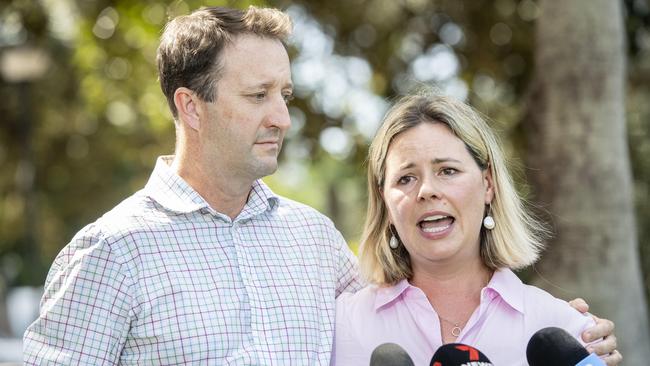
{"x": 510, "y": 312}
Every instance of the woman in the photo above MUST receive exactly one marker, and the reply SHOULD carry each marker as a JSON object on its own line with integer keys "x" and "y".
{"x": 444, "y": 229}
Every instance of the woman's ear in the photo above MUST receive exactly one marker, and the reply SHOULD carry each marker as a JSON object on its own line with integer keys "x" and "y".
{"x": 489, "y": 185}
{"x": 187, "y": 104}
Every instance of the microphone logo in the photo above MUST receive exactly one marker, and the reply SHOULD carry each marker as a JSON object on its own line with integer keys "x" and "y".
{"x": 473, "y": 352}
{"x": 458, "y": 354}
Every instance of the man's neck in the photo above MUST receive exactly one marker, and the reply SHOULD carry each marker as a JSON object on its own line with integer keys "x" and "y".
{"x": 224, "y": 193}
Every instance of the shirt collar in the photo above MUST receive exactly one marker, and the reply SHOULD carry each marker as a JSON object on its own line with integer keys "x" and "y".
{"x": 170, "y": 190}
{"x": 504, "y": 283}
{"x": 509, "y": 287}
{"x": 386, "y": 295}
{"x": 261, "y": 199}
{"x": 173, "y": 193}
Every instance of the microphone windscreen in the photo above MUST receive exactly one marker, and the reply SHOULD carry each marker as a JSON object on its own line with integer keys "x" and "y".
{"x": 456, "y": 354}
{"x": 390, "y": 354}
{"x": 554, "y": 346}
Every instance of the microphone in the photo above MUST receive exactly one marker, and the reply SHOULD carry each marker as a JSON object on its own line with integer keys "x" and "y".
{"x": 458, "y": 354}
{"x": 554, "y": 346}
{"x": 390, "y": 354}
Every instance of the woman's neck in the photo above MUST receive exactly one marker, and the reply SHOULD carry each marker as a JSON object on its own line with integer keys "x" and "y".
{"x": 454, "y": 294}
{"x": 452, "y": 281}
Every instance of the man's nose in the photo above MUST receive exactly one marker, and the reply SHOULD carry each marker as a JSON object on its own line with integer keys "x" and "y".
{"x": 279, "y": 114}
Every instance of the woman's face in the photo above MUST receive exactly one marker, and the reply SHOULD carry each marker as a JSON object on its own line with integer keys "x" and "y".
{"x": 436, "y": 195}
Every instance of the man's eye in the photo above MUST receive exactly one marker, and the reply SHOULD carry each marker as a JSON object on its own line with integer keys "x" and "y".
{"x": 259, "y": 96}
{"x": 288, "y": 97}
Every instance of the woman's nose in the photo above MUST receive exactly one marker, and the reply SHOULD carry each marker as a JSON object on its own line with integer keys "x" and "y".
{"x": 429, "y": 188}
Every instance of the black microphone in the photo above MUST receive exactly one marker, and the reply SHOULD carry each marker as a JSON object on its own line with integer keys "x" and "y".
{"x": 554, "y": 346}
{"x": 390, "y": 354}
{"x": 458, "y": 354}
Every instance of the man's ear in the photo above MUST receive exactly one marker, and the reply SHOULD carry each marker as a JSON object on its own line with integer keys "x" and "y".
{"x": 187, "y": 105}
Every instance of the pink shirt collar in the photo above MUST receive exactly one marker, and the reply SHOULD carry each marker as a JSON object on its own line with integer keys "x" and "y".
{"x": 504, "y": 283}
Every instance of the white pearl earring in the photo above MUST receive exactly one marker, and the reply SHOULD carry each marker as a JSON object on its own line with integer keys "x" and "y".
{"x": 488, "y": 220}
{"x": 393, "y": 243}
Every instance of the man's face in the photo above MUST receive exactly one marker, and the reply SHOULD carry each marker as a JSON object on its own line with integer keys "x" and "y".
{"x": 242, "y": 130}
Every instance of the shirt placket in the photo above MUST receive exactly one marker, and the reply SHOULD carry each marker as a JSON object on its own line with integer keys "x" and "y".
{"x": 468, "y": 335}
{"x": 252, "y": 277}
{"x": 424, "y": 316}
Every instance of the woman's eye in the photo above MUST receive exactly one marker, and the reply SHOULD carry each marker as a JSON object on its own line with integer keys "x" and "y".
{"x": 448, "y": 171}
{"x": 404, "y": 180}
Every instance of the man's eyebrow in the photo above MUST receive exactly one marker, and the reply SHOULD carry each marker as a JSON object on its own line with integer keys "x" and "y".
{"x": 270, "y": 84}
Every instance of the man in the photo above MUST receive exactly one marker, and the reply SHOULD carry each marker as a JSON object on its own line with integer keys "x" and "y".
{"x": 205, "y": 264}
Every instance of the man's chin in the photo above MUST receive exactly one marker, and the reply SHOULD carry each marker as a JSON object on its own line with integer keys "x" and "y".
{"x": 265, "y": 167}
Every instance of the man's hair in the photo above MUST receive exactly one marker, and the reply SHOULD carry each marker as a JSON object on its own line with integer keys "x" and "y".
{"x": 189, "y": 54}
{"x": 516, "y": 240}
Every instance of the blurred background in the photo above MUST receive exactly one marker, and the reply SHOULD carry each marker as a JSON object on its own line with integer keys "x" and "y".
{"x": 82, "y": 119}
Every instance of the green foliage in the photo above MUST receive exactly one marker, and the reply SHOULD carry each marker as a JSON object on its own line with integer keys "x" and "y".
{"x": 98, "y": 118}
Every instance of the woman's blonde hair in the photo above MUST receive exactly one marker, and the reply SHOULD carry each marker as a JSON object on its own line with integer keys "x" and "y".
{"x": 516, "y": 240}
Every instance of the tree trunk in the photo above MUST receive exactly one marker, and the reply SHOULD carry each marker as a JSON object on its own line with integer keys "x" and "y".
{"x": 580, "y": 166}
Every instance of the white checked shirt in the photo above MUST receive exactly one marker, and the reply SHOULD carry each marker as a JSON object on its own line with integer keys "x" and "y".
{"x": 163, "y": 279}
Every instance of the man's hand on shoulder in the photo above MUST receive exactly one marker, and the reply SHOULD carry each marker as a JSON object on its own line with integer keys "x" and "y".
{"x": 604, "y": 329}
